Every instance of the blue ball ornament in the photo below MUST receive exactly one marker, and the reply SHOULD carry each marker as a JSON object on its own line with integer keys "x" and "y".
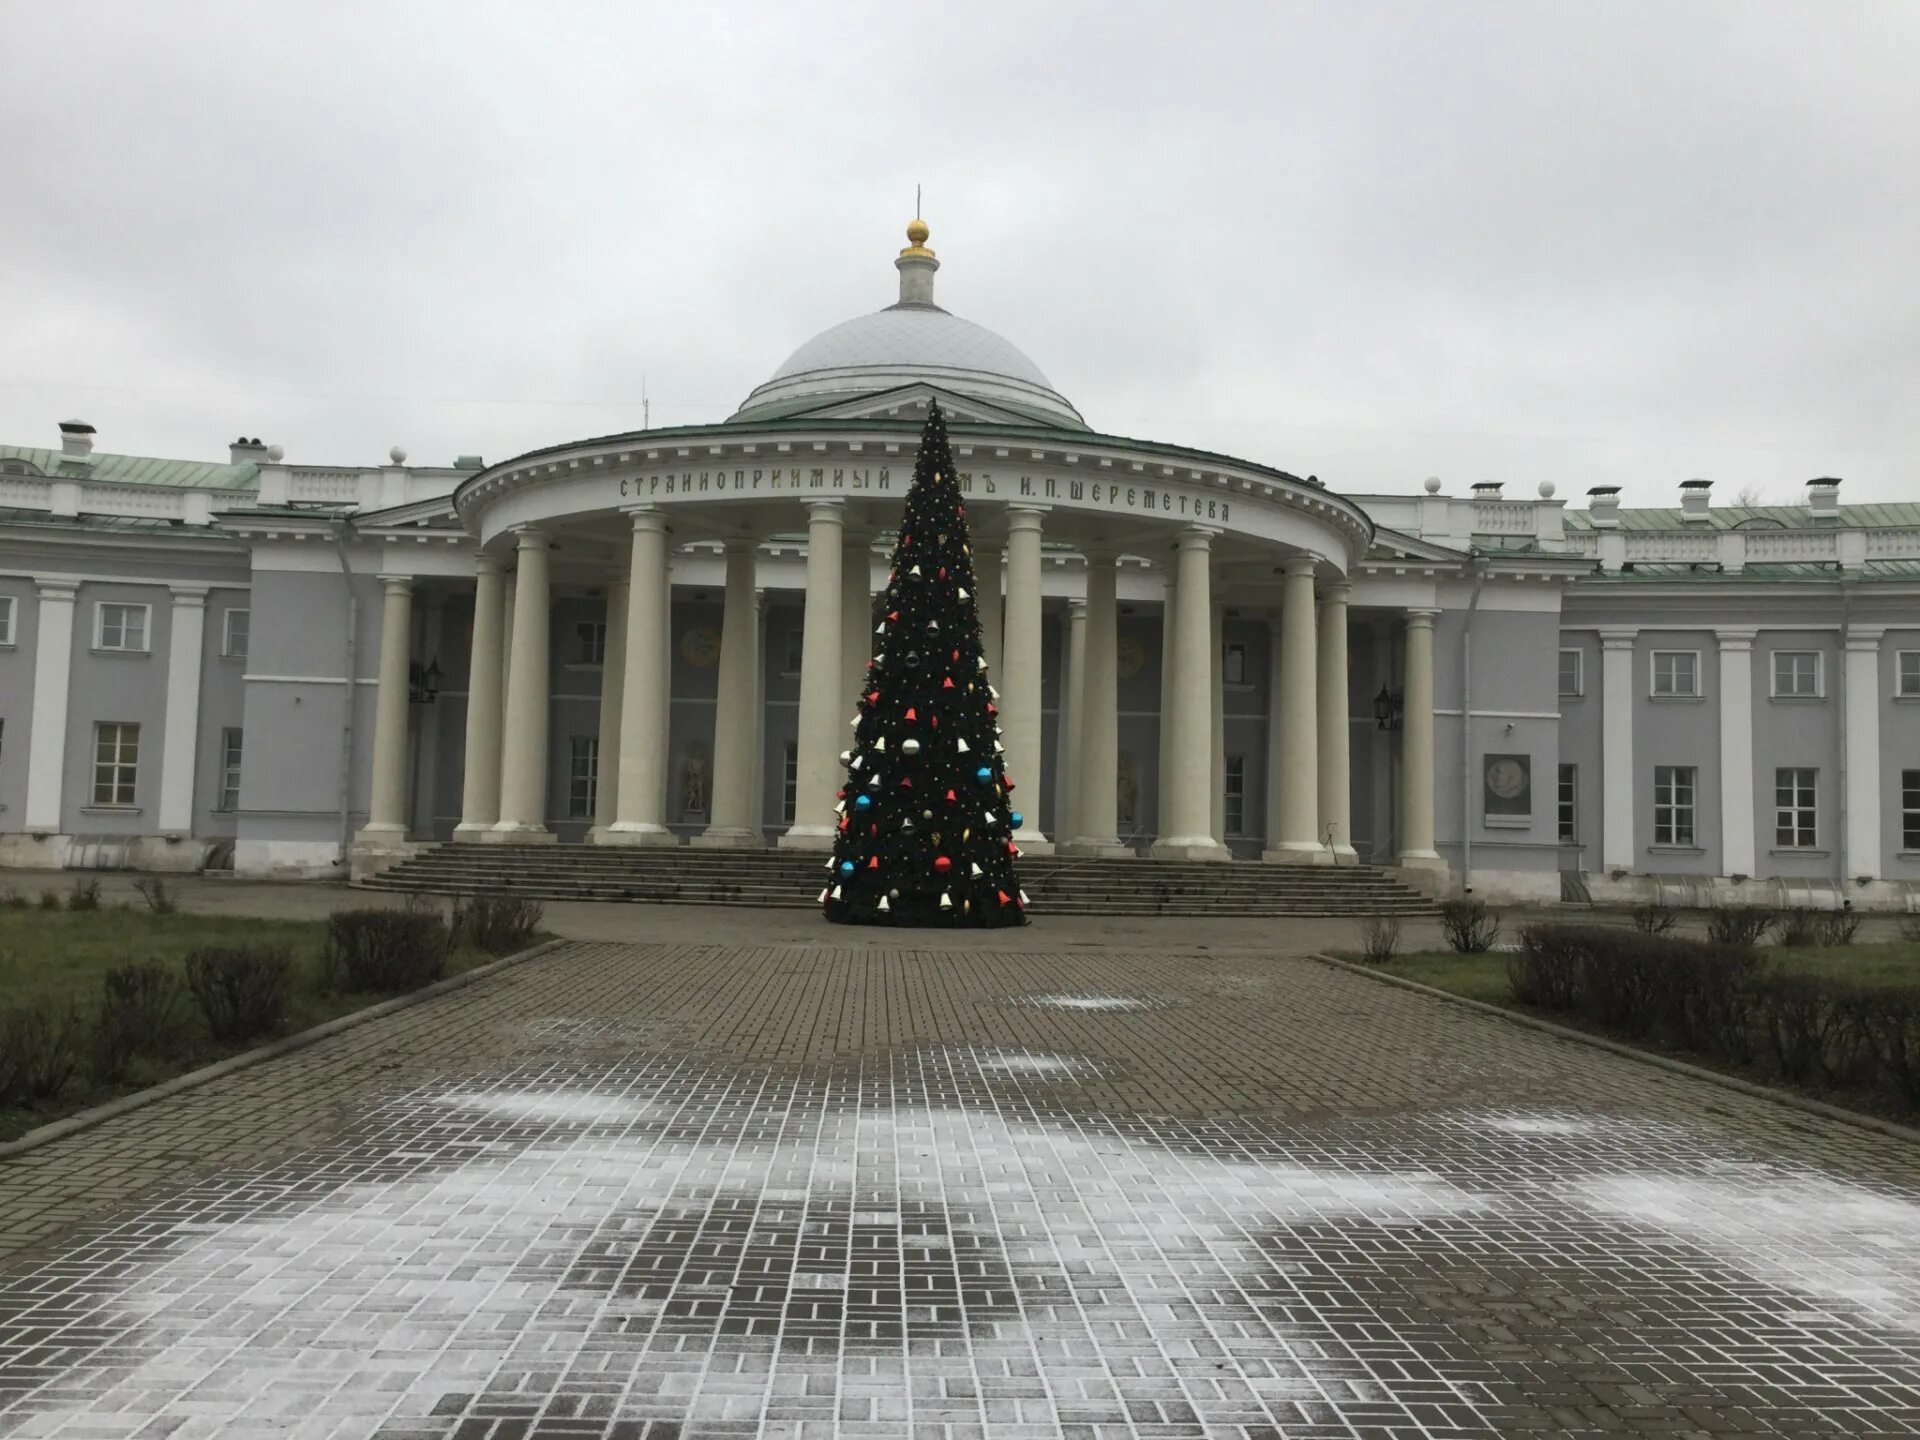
{"x": 983, "y": 774}
{"x": 863, "y": 802}
{"x": 1015, "y": 818}
{"x": 846, "y": 867}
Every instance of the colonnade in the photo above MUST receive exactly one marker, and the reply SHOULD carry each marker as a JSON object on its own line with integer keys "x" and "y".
{"x": 1308, "y": 764}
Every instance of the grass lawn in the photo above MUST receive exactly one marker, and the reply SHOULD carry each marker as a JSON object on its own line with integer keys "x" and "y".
{"x": 58, "y": 958}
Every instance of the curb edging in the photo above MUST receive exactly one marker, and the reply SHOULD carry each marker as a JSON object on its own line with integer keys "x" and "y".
{"x": 193, "y": 1079}
{"x": 1857, "y": 1118}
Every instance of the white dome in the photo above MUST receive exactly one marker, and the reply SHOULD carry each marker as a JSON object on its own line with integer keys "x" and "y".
{"x": 914, "y": 340}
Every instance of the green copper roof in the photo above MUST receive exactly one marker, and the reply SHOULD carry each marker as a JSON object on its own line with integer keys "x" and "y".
{"x": 1728, "y": 517}
{"x": 136, "y": 470}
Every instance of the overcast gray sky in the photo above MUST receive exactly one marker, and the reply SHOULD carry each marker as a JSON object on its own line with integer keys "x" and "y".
{"x": 1600, "y": 243}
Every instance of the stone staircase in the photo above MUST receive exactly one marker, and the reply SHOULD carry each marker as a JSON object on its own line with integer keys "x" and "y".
{"x": 792, "y": 879}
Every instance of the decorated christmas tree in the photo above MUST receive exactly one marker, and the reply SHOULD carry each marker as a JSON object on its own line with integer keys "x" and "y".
{"x": 926, "y": 818}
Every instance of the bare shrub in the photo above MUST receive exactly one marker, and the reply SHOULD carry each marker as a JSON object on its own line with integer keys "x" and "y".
{"x": 1796, "y": 927}
{"x": 1380, "y": 938}
{"x": 385, "y": 950}
{"x": 1740, "y": 924}
{"x": 1654, "y": 919}
{"x": 85, "y": 895}
{"x": 13, "y": 900}
{"x": 1470, "y": 925}
{"x": 40, "y": 1048}
{"x": 52, "y": 900}
{"x": 242, "y": 990}
{"x": 139, "y": 1014}
{"x": 502, "y": 924}
{"x": 153, "y": 890}
{"x": 1838, "y": 927}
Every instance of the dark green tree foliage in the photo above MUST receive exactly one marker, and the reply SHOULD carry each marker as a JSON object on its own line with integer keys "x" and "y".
{"x": 926, "y": 821}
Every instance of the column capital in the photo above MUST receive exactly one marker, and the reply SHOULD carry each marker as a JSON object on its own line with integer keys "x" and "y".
{"x": 826, "y": 508}
{"x": 1076, "y": 608}
{"x": 1618, "y": 637}
{"x": 56, "y": 589}
{"x": 646, "y": 517}
{"x": 1736, "y": 640}
{"x": 741, "y": 545}
{"x": 1297, "y": 565}
{"x": 1421, "y": 619}
{"x": 397, "y": 584}
{"x": 1099, "y": 553}
{"x": 189, "y": 597}
{"x": 1336, "y": 592}
{"x": 1195, "y": 537}
{"x": 530, "y": 537}
{"x": 1865, "y": 640}
{"x": 1024, "y": 518}
{"x": 485, "y": 564}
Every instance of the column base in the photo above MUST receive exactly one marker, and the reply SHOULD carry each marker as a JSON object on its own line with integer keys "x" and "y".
{"x": 634, "y": 833}
{"x": 377, "y": 848}
{"x": 371, "y": 834}
{"x": 807, "y": 837}
{"x": 1032, "y": 842}
{"x": 1093, "y": 847}
{"x": 1345, "y": 855}
{"x": 506, "y": 833}
{"x": 1420, "y": 860}
{"x": 1183, "y": 847}
{"x": 1297, "y": 852}
{"x": 472, "y": 832}
{"x": 727, "y": 839}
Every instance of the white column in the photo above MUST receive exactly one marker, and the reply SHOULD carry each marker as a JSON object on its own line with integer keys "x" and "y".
{"x": 1737, "y": 836}
{"x": 1019, "y": 680}
{"x": 1617, "y": 780}
{"x": 47, "y": 743}
{"x": 986, "y": 599}
{"x": 664, "y": 790}
{"x": 508, "y": 590}
{"x": 1416, "y": 743}
{"x": 1073, "y": 689}
{"x": 179, "y": 750}
{"x": 1217, "y": 727}
{"x": 613, "y": 706}
{"x": 1187, "y": 834}
{"x": 736, "y": 711}
{"x": 387, "y": 803}
{"x": 1864, "y": 842}
{"x": 1276, "y": 738}
{"x": 823, "y": 711}
{"x": 1299, "y": 841}
{"x": 1163, "y": 806}
{"x": 1096, "y": 814}
{"x": 523, "y": 770}
{"x": 640, "y": 797}
{"x": 856, "y": 617}
{"x": 423, "y": 763}
{"x": 1336, "y": 794}
{"x": 480, "y": 778}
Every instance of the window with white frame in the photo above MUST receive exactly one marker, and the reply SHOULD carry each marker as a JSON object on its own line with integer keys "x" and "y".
{"x": 6, "y": 619}
{"x": 1910, "y": 809}
{"x": 1233, "y": 664}
{"x": 1569, "y": 796}
{"x": 234, "y": 633}
{"x": 1571, "y": 672}
{"x": 1907, "y": 674}
{"x": 230, "y": 745}
{"x": 1673, "y": 804}
{"x": 116, "y": 762}
{"x": 120, "y": 627}
{"x": 789, "y": 781}
{"x": 1676, "y": 672}
{"x": 591, "y": 642}
{"x": 1793, "y": 808}
{"x": 1796, "y": 674}
{"x": 1235, "y": 808}
{"x": 583, "y": 777}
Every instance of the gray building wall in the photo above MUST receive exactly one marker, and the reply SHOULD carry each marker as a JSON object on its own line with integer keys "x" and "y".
{"x": 1800, "y": 733}
{"x": 116, "y": 687}
{"x": 16, "y": 701}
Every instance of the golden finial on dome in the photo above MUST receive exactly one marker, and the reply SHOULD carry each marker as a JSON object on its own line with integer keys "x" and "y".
{"x": 917, "y": 233}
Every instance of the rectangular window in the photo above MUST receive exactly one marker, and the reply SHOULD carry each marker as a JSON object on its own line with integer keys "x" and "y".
{"x": 794, "y": 638}
{"x": 1673, "y": 799}
{"x": 6, "y": 619}
{"x": 1676, "y": 672}
{"x": 1910, "y": 809}
{"x": 1570, "y": 672}
{"x": 583, "y": 777}
{"x": 1907, "y": 673}
{"x": 229, "y": 767}
{"x": 1233, "y": 665}
{"x": 789, "y": 781}
{"x": 1796, "y": 673}
{"x": 1569, "y": 797}
{"x": 1793, "y": 808}
{"x": 120, "y": 627}
{"x": 233, "y": 639}
{"x": 591, "y": 646}
{"x": 1236, "y": 798}
{"x": 116, "y": 762}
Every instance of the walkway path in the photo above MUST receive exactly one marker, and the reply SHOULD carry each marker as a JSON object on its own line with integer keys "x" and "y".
{"x": 753, "y": 1176}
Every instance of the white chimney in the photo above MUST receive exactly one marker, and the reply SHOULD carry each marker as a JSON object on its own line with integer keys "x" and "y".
{"x": 247, "y": 452}
{"x": 1486, "y": 489}
{"x": 76, "y": 438}
{"x": 1823, "y": 500}
{"x": 1694, "y": 502}
{"x": 1603, "y": 507}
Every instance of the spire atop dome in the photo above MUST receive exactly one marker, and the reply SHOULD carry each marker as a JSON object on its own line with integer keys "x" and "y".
{"x": 916, "y": 265}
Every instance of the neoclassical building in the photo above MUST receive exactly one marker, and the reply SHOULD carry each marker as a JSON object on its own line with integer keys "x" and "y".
{"x": 653, "y": 639}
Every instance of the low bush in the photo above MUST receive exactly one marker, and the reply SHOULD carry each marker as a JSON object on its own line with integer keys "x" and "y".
{"x": 1910, "y": 928}
{"x": 139, "y": 1014}
{"x": 153, "y": 890}
{"x": 1740, "y": 924}
{"x": 1838, "y": 927}
{"x": 40, "y": 1048}
{"x": 1470, "y": 926}
{"x": 502, "y": 924}
{"x": 85, "y": 895}
{"x": 241, "y": 990}
{"x": 1654, "y": 919}
{"x": 385, "y": 950}
{"x": 14, "y": 900}
{"x": 1380, "y": 938}
{"x": 1797, "y": 926}
{"x": 52, "y": 900}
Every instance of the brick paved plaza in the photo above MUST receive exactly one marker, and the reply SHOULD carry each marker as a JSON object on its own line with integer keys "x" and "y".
{"x": 749, "y": 1175}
